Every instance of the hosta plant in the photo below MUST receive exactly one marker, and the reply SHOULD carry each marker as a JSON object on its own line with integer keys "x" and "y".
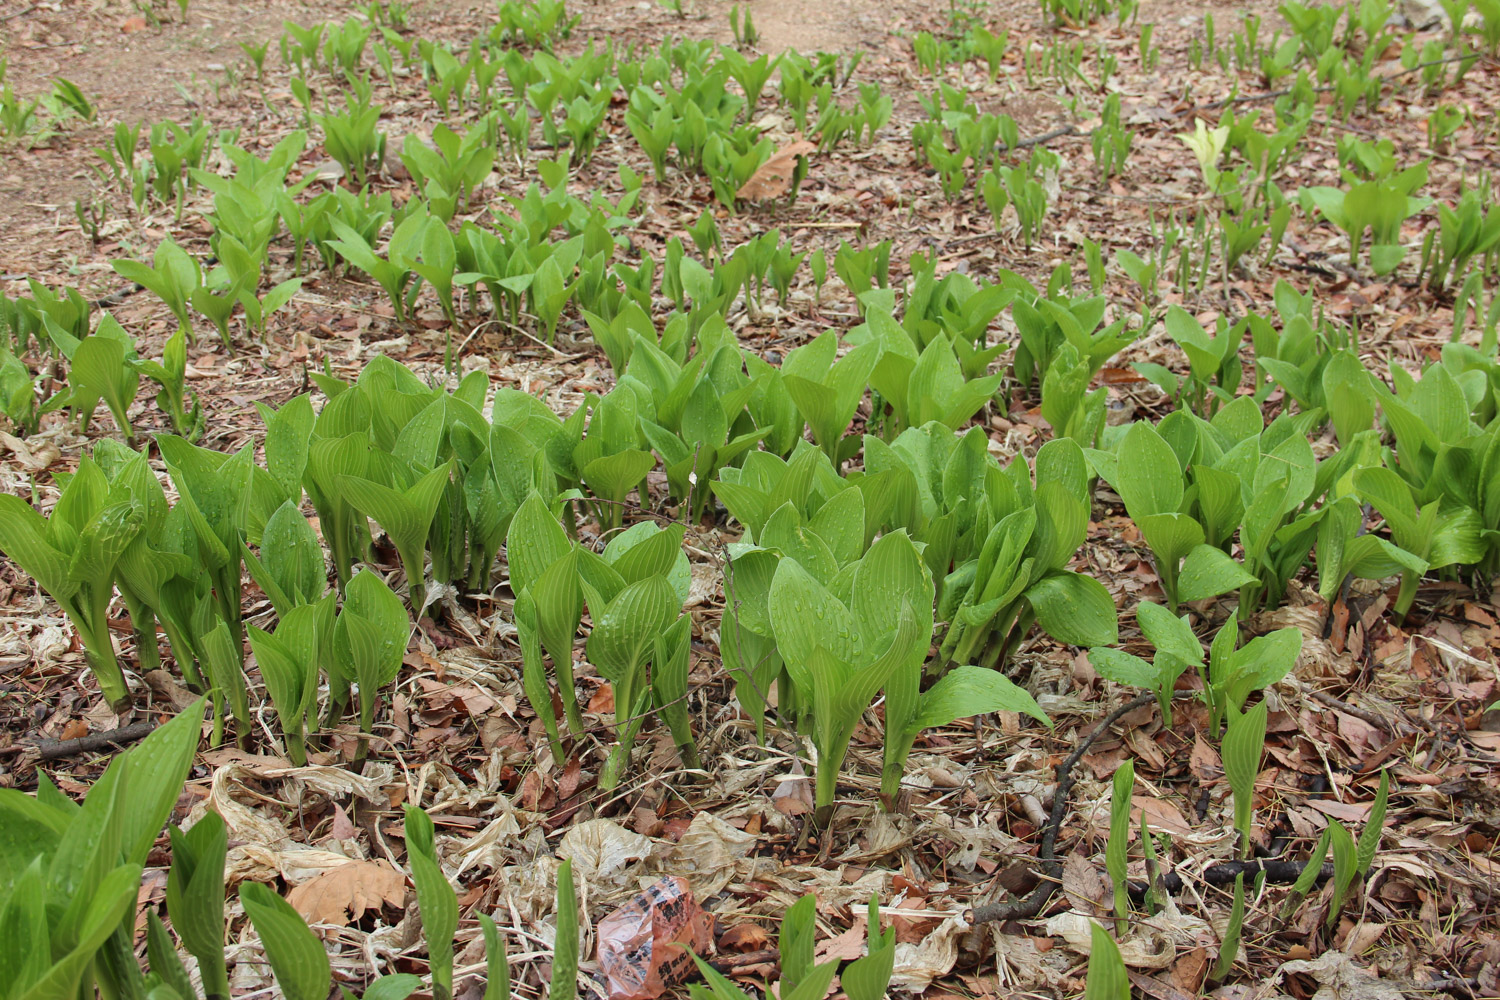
{"x": 1177, "y": 649}
{"x": 72, "y": 554}
{"x": 69, "y": 874}
{"x": 839, "y": 655}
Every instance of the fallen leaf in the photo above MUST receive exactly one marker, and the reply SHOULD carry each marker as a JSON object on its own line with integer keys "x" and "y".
{"x": 745, "y": 938}
{"x": 343, "y": 894}
{"x": 793, "y": 796}
{"x": 132, "y": 24}
{"x": 603, "y": 700}
{"x": 774, "y": 178}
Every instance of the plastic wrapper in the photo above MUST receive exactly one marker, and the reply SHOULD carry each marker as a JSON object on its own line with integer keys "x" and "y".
{"x": 648, "y": 944}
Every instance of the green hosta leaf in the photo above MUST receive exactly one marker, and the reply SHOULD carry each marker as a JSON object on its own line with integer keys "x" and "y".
{"x": 23, "y": 539}
{"x": 292, "y": 559}
{"x": 1168, "y": 633}
{"x": 629, "y": 626}
{"x": 103, "y": 910}
{"x": 535, "y": 541}
{"x": 1261, "y": 662}
{"x": 369, "y": 598}
{"x": 1122, "y": 667}
{"x": 296, "y": 955}
{"x": 99, "y": 367}
{"x": 1148, "y": 478}
{"x": 1106, "y": 978}
{"x": 436, "y": 897}
{"x": 1208, "y": 571}
{"x": 967, "y": 691}
{"x": 158, "y": 767}
{"x": 195, "y": 896}
{"x": 798, "y": 936}
{"x": 497, "y": 978}
{"x": 1171, "y": 536}
{"x": 804, "y": 616}
{"x": 1369, "y": 837}
{"x": 1241, "y": 752}
{"x": 1074, "y": 609}
{"x": 612, "y": 477}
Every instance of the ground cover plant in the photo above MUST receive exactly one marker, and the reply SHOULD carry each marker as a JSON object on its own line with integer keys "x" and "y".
{"x": 987, "y": 497}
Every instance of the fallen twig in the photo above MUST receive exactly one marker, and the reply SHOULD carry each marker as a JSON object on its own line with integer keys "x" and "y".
{"x": 1031, "y": 904}
{"x": 94, "y": 742}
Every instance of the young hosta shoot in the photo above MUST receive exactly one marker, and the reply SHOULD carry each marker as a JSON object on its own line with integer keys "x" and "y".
{"x": 437, "y": 899}
{"x": 297, "y": 958}
{"x": 370, "y": 637}
{"x": 1241, "y": 752}
{"x": 173, "y": 276}
{"x": 921, "y": 383}
{"x": 1236, "y": 673}
{"x": 72, "y": 555}
{"x": 611, "y": 459}
{"x": 289, "y": 662}
{"x": 1436, "y": 535}
{"x": 1309, "y": 876}
{"x": 108, "y": 371}
{"x": 1149, "y": 479}
{"x": 497, "y": 968}
{"x": 800, "y": 978}
{"x": 565, "y": 944}
{"x": 1229, "y": 947}
{"x": 214, "y": 489}
{"x": 1345, "y": 868}
{"x": 223, "y": 659}
{"x": 544, "y": 576}
{"x": 869, "y": 977}
{"x": 827, "y": 391}
{"x": 635, "y": 594}
{"x": 1351, "y": 859}
{"x": 104, "y": 367}
{"x": 1377, "y": 207}
{"x": 170, "y": 373}
{"x": 195, "y": 898}
{"x": 1176, "y": 650}
{"x": 839, "y": 655}
{"x": 406, "y": 514}
{"x": 1018, "y": 574}
{"x": 1119, "y": 839}
{"x": 1106, "y": 978}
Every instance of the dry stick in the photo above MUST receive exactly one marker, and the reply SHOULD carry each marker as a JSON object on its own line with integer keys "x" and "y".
{"x": 1031, "y": 904}
{"x": 112, "y": 740}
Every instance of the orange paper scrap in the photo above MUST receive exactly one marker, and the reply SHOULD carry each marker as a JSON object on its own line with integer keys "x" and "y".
{"x": 647, "y": 945}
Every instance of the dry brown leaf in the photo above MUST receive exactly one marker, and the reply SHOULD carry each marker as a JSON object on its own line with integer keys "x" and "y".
{"x": 745, "y": 938}
{"x": 343, "y": 894}
{"x": 794, "y": 795}
{"x": 774, "y": 178}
